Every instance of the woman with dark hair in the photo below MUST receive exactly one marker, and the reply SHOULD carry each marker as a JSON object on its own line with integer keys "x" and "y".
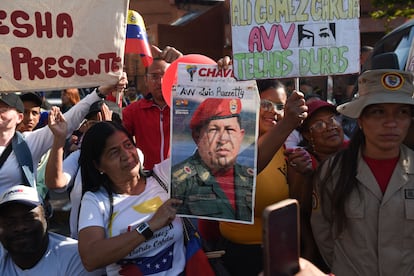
{"x": 363, "y": 218}
{"x": 126, "y": 222}
{"x": 243, "y": 242}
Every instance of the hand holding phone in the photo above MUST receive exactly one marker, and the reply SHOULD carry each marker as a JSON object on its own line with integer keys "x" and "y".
{"x": 281, "y": 238}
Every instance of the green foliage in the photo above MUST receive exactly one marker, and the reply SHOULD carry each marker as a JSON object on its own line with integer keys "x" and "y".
{"x": 391, "y": 9}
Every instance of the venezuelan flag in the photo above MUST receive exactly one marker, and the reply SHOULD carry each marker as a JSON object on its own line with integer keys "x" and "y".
{"x": 137, "y": 39}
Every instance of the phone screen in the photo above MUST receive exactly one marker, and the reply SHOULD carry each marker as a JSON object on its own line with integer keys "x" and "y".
{"x": 281, "y": 238}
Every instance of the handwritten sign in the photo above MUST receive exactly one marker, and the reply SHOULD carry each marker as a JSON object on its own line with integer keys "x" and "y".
{"x": 287, "y": 38}
{"x": 55, "y": 44}
{"x": 213, "y": 143}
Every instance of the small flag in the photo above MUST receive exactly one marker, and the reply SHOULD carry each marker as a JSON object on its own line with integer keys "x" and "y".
{"x": 137, "y": 39}
{"x": 196, "y": 259}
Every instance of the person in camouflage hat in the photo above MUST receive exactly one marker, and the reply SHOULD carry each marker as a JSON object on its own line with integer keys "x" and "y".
{"x": 210, "y": 182}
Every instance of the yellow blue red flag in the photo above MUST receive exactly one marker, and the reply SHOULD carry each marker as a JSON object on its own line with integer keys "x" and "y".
{"x": 137, "y": 38}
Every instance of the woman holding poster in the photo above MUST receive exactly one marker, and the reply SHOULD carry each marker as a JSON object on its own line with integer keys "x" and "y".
{"x": 243, "y": 242}
{"x": 127, "y": 222}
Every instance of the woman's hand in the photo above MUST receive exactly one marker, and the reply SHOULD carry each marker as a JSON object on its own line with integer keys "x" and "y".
{"x": 165, "y": 214}
{"x": 295, "y": 109}
{"x": 299, "y": 159}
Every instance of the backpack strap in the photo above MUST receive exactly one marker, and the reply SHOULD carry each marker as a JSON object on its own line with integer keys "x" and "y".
{"x": 24, "y": 158}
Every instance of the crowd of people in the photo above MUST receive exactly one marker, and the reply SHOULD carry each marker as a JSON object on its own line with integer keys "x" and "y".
{"x": 355, "y": 191}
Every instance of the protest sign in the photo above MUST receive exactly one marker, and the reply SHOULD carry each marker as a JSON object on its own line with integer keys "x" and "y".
{"x": 287, "y": 38}
{"x": 55, "y": 44}
{"x": 213, "y": 144}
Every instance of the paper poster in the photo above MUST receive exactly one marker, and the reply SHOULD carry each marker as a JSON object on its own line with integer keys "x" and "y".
{"x": 213, "y": 144}
{"x": 288, "y": 38}
{"x": 56, "y": 44}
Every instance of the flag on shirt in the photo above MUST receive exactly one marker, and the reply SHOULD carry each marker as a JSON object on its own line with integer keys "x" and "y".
{"x": 148, "y": 265}
{"x": 137, "y": 39}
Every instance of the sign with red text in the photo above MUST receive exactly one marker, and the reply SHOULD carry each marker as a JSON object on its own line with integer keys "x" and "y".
{"x": 288, "y": 38}
{"x": 56, "y": 44}
{"x": 213, "y": 143}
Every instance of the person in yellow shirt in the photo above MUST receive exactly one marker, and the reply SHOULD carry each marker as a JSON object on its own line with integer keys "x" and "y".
{"x": 243, "y": 242}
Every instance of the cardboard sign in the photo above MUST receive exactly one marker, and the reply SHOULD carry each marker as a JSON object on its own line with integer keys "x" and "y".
{"x": 55, "y": 44}
{"x": 288, "y": 38}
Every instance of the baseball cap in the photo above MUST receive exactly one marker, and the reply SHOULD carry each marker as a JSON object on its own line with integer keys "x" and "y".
{"x": 380, "y": 86}
{"x": 215, "y": 109}
{"x": 31, "y": 97}
{"x": 12, "y": 100}
{"x": 21, "y": 194}
{"x": 315, "y": 106}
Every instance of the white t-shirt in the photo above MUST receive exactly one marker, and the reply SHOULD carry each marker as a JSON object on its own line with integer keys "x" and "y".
{"x": 164, "y": 254}
{"x": 293, "y": 140}
{"x": 71, "y": 169}
{"x": 60, "y": 258}
{"x": 40, "y": 141}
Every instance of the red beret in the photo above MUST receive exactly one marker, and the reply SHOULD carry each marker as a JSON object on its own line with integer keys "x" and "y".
{"x": 214, "y": 109}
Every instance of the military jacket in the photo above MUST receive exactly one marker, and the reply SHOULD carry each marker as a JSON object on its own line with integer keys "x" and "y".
{"x": 193, "y": 183}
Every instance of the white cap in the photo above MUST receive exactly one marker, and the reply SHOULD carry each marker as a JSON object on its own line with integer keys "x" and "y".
{"x": 21, "y": 194}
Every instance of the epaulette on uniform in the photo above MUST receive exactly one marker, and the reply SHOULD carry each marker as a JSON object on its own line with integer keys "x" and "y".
{"x": 185, "y": 171}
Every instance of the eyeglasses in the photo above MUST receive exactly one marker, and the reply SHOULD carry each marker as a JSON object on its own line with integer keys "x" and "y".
{"x": 155, "y": 77}
{"x": 271, "y": 106}
{"x": 321, "y": 125}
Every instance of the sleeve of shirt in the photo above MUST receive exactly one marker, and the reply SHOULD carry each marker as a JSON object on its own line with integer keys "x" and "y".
{"x": 71, "y": 166}
{"x": 71, "y": 262}
{"x": 322, "y": 225}
{"x": 92, "y": 211}
{"x": 128, "y": 118}
{"x": 41, "y": 140}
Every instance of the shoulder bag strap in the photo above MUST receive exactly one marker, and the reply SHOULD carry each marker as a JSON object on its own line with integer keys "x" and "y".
{"x": 162, "y": 184}
{"x": 5, "y": 154}
{"x": 24, "y": 158}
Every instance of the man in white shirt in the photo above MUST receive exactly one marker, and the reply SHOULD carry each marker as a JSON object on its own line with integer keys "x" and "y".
{"x": 40, "y": 140}
{"x": 28, "y": 248}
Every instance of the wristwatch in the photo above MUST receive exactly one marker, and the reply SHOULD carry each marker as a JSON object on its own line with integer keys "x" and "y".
{"x": 100, "y": 95}
{"x": 145, "y": 230}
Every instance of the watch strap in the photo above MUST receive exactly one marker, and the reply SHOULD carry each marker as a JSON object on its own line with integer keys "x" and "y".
{"x": 145, "y": 230}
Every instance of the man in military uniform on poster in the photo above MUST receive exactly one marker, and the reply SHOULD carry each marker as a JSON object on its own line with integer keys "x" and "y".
{"x": 210, "y": 182}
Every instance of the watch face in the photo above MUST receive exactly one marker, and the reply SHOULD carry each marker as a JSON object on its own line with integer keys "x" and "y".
{"x": 142, "y": 227}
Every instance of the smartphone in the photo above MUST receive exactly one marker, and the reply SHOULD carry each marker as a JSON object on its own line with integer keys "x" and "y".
{"x": 281, "y": 238}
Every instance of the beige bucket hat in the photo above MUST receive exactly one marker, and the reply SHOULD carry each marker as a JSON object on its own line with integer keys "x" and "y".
{"x": 380, "y": 86}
